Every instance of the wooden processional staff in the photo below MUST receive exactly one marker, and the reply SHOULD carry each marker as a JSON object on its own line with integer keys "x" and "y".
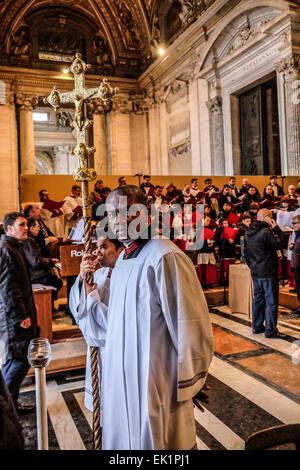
{"x": 79, "y": 96}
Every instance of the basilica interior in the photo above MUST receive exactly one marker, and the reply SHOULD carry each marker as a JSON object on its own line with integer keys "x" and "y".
{"x": 206, "y": 88}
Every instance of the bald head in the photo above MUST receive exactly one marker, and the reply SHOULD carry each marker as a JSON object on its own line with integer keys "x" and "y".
{"x": 133, "y": 193}
{"x": 264, "y": 213}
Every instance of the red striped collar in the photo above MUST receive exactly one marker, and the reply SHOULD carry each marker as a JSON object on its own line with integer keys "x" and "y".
{"x": 109, "y": 274}
{"x": 130, "y": 248}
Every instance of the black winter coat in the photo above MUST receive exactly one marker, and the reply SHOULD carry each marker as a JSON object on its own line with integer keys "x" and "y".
{"x": 261, "y": 245}
{"x": 16, "y": 300}
{"x": 295, "y": 262}
{"x": 38, "y": 266}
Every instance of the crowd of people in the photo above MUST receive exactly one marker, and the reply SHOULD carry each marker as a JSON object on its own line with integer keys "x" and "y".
{"x": 234, "y": 223}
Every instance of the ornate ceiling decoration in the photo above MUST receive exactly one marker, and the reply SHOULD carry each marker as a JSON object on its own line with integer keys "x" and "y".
{"x": 116, "y": 37}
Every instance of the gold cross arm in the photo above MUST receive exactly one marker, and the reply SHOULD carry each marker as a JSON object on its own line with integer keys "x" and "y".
{"x": 80, "y": 94}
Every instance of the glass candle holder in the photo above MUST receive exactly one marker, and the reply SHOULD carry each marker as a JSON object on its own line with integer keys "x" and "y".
{"x": 39, "y": 352}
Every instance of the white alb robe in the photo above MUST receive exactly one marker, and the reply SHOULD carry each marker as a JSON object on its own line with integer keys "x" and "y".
{"x": 92, "y": 325}
{"x": 55, "y": 224}
{"x": 70, "y": 204}
{"x": 158, "y": 348}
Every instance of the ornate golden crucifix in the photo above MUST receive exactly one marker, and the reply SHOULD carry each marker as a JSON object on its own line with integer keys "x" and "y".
{"x": 79, "y": 96}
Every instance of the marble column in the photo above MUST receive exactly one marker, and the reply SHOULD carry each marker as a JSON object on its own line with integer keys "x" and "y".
{"x": 195, "y": 127}
{"x": 9, "y": 194}
{"x": 215, "y": 107}
{"x": 204, "y": 129}
{"x": 289, "y": 75}
{"x": 100, "y": 137}
{"x": 140, "y": 153}
{"x": 163, "y": 125}
{"x": 120, "y": 136}
{"x": 26, "y": 104}
{"x": 64, "y": 162}
{"x": 154, "y": 140}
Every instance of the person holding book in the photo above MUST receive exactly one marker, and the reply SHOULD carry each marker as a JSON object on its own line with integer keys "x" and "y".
{"x": 226, "y": 196}
{"x": 72, "y": 209}
{"x": 52, "y": 213}
{"x": 38, "y": 266}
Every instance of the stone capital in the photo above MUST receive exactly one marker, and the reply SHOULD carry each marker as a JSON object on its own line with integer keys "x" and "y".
{"x": 159, "y": 95}
{"x": 61, "y": 150}
{"x": 122, "y": 105}
{"x": 98, "y": 107}
{"x": 289, "y": 64}
{"x": 215, "y": 105}
{"x": 26, "y": 102}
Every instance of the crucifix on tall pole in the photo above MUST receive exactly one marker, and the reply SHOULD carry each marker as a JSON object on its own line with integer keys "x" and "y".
{"x": 79, "y": 96}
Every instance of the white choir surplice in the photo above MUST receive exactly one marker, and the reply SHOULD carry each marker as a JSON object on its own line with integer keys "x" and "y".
{"x": 70, "y": 204}
{"x": 55, "y": 224}
{"x": 158, "y": 348}
{"x": 92, "y": 325}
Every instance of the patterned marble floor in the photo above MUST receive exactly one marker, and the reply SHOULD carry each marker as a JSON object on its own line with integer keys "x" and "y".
{"x": 255, "y": 383}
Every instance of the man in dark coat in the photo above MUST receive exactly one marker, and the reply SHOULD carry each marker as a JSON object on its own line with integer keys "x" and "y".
{"x": 295, "y": 262}
{"x": 11, "y": 437}
{"x": 18, "y": 323}
{"x": 45, "y": 237}
{"x": 262, "y": 240}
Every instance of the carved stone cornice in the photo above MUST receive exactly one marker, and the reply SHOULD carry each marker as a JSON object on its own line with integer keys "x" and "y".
{"x": 215, "y": 105}
{"x": 180, "y": 149}
{"x": 26, "y": 102}
{"x": 289, "y": 64}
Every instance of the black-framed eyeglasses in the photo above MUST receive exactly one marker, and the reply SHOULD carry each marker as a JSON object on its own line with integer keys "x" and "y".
{"x": 294, "y": 223}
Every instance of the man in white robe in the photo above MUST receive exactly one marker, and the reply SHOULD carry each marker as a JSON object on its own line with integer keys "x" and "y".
{"x": 158, "y": 344}
{"x": 71, "y": 209}
{"x": 85, "y": 311}
{"x": 54, "y": 218}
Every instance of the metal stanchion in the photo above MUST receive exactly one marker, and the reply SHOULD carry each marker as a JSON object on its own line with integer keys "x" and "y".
{"x": 39, "y": 356}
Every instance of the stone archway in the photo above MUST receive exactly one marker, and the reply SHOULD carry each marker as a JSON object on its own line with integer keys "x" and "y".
{"x": 43, "y": 163}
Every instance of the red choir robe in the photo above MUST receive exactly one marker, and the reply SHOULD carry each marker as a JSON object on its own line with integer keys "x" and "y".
{"x": 206, "y": 261}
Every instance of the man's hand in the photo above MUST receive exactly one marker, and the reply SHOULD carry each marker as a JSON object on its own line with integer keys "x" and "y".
{"x": 88, "y": 266}
{"x": 26, "y": 323}
{"x": 55, "y": 260}
{"x": 273, "y": 224}
{"x": 201, "y": 397}
{"x": 53, "y": 240}
{"x": 89, "y": 289}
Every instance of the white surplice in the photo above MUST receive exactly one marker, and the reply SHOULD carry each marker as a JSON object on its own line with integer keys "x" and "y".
{"x": 90, "y": 314}
{"x": 158, "y": 348}
{"x": 70, "y": 204}
{"x": 55, "y": 224}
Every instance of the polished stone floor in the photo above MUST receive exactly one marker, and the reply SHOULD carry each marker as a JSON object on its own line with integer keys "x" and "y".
{"x": 255, "y": 384}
